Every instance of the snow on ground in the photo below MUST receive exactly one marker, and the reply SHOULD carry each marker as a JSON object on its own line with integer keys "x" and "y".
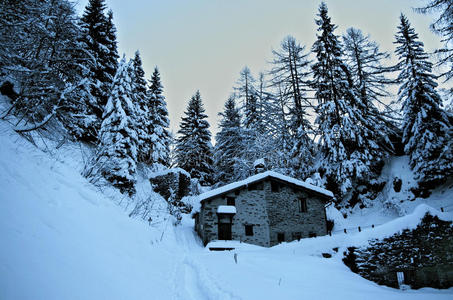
{"x": 61, "y": 238}
{"x": 391, "y": 204}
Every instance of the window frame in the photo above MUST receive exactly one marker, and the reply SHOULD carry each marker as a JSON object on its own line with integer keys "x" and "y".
{"x": 302, "y": 205}
{"x": 248, "y": 229}
{"x": 275, "y": 186}
{"x": 231, "y": 201}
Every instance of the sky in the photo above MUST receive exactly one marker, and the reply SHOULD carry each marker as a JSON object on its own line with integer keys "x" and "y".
{"x": 204, "y": 44}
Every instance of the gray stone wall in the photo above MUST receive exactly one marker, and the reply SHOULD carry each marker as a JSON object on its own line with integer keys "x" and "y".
{"x": 284, "y": 215}
{"x": 250, "y": 210}
{"x": 269, "y": 212}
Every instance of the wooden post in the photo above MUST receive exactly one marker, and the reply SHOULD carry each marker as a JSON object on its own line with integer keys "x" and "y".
{"x": 360, "y": 229}
{"x": 345, "y": 230}
{"x": 442, "y": 209}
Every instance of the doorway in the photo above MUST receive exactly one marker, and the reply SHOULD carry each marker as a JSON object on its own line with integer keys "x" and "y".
{"x": 225, "y": 222}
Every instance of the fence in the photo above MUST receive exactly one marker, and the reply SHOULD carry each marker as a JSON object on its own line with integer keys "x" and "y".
{"x": 446, "y": 208}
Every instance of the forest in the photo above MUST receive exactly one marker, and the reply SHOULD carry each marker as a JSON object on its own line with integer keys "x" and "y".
{"x": 323, "y": 113}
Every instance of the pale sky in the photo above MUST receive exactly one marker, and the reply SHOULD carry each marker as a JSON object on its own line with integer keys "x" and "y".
{"x": 203, "y": 44}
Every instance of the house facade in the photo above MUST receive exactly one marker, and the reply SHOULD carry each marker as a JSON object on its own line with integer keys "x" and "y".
{"x": 264, "y": 209}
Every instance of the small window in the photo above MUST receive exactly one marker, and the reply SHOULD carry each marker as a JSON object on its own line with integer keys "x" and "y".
{"x": 231, "y": 201}
{"x": 249, "y": 230}
{"x": 280, "y": 237}
{"x": 236, "y": 192}
{"x": 302, "y": 205}
{"x": 312, "y": 234}
{"x": 275, "y": 187}
{"x": 297, "y": 236}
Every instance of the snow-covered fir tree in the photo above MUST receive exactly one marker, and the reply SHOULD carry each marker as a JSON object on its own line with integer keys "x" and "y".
{"x": 426, "y": 128}
{"x": 117, "y": 154}
{"x": 347, "y": 149}
{"x": 194, "y": 151}
{"x": 229, "y": 146}
{"x": 100, "y": 39}
{"x": 158, "y": 122}
{"x": 141, "y": 115}
{"x": 443, "y": 26}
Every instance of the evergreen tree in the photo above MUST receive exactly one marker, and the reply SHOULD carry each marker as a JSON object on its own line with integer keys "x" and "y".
{"x": 229, "y": 144}
{"x": 142, "y": 113}
{"x": 159, "y": 122}
{"x": 443, "y": 26}
{"x": 100, "y": 39}
{"x": 193, "y": 145}
{"x": 425, "y": 125}
{"x": 117, "y": 155}
{"x": 347, "y": 148}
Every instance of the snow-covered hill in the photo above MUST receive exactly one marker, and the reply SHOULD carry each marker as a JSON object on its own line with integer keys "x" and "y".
{"x": 61, "y": 238}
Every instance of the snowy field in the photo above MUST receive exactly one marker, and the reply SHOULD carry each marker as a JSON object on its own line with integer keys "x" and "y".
{"x": 61, "y": 238}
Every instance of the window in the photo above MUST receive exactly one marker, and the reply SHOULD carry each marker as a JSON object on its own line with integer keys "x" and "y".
{"x": 249, "y": 230}
{"x": 312, "y": 234}
{"x": 275, "y": 187}
{"x": 236, "y": 192}
{"x": 280, "y": 237}
{"x": 255, "y": 186}
{"x": 230, "y": 201}
{"x": 302, "y": 205}
{"x": 297, "y": 236}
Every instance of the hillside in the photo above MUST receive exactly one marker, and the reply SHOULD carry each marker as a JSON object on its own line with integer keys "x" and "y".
{"x": 64, "y": 239}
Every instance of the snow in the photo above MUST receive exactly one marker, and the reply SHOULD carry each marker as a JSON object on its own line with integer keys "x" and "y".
{"x": 62, "y": 238}
{"x": 226, "y": 209}
{"x": 259, "y": 177}
{"x": 167, "y": 171}
{"x": 259, "y": 162}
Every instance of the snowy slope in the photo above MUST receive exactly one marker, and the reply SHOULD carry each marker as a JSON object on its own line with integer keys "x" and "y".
{"x": 61, "y": 238}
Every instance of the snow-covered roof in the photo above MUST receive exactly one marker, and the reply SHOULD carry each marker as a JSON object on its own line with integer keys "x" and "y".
{"x": 258, "y": 177}
{"x": 226, "y": 209}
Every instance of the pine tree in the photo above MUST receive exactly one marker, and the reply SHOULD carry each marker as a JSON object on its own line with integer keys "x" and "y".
{"x": 142, "y": 113}
{"x": 159, "y": 122}
{"x": 229, "y": 146}
{"x": 443, "y": 26}
{"x": 193, "y": 145}
{"x": 117, "y": 155}
{"x": 100, "y": 39}
{"x": 346, "y": 145}
{"x": 425, "y": 126}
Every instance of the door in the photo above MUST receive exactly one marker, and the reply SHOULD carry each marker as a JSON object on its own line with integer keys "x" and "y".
{"x": 224, "y": 231}
{"x": 400, "y": 277}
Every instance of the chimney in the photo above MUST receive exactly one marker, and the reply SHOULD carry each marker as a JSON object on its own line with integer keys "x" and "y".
{"x": 259, "y": 165}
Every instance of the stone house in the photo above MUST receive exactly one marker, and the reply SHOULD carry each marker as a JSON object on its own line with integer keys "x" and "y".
{"x": 265, "y": 209}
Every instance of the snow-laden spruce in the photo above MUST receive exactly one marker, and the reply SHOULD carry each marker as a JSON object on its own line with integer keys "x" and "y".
{"x": 229, "y": 147}
{"x": 158, "y": 122}
{"x": 100, "y": 38}
{"x": 194, "y": 151}
{"x": 426, "y": 127}
{"x": 347, "y": 136}
{"x": 117, "y": 154}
